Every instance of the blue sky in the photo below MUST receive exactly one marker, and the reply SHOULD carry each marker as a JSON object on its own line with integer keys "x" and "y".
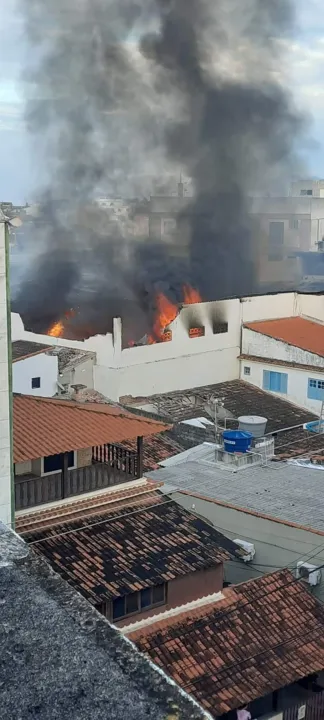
{"x": 305, "y": 67}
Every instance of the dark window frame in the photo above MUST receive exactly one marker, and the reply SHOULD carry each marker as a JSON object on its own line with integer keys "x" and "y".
{"x": 59, "y": 468}
{"x": 247, "y": 370}
{"x": 35, "y": 383}
{"x": 140, "y": 607}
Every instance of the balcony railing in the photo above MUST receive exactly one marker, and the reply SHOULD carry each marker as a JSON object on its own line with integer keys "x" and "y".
{"x": 111, "y": 465}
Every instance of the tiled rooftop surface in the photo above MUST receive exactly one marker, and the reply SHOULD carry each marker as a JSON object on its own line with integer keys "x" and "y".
{"x": 61, "y": 659}
{"x": 150, "y": 541}
{"x": 68, "y": 358}
{"x": 240, "y": 398}
{"x": 297, "y": 331}
{"x": 93, "y": 504}
{"x": 284, "y": 491}
{"x": 265, "y": 634}
{"x": 46, "y": 426}
{"x": 24, "y": 348}
{"x": 156, "y": 448}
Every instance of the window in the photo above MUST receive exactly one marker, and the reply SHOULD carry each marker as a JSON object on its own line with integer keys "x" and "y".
{"x": 276, "y": 240}
{"x": 306, "y": 192}
{"x": 54, "y": 463}
{"x": 293, "y": 224}
{"x": 275, "y": 381}
{"x": 139, "y": 601}
{"x": 220, "y": 328}
{"x": 247, "y": 370}
{"x": 315, "y": 389}
{"x": 169, "y": 226}
{"x": 35, "y": 383}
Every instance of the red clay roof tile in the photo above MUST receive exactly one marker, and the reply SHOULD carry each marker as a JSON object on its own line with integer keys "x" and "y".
{"x": 46, "y": 426}
{"x": 298, "y": 331}
{"x": 253, "y": 653}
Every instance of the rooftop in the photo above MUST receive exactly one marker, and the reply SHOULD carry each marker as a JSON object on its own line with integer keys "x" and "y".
{"x": 68, "y": 358}
{"x": 61, "y": 659}
{"x": 46, "y": 426}
{"x": 24, "y": 348}
{"x": 298, "y": 331}
{"x": 128, "y": 547}
{"x": 239, "y": 398}
{"x": 258, "y": 637}
{"x": 280, "y": 490}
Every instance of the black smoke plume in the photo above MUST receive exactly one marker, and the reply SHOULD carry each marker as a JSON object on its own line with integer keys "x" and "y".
{"x": 123, "y": 94}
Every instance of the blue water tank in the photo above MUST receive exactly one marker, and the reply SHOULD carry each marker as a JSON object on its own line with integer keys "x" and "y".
{"x": 237, "y": 441}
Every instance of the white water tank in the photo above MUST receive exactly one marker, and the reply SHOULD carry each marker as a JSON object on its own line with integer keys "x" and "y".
{"x": 253, "y": 424}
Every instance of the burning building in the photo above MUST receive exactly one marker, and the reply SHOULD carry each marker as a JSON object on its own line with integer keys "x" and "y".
{"x": 136, "y": 90}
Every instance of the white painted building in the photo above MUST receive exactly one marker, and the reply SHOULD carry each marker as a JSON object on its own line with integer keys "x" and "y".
{"x": 34, "y": 370}
{"x": 6, "y": 469}
{"x": 286, "y": 357}
{"x": 183, "y": 362}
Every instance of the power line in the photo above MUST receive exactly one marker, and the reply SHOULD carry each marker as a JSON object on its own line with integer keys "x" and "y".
{"x": 225, "y": 613}
{"x": 99, "y": 522}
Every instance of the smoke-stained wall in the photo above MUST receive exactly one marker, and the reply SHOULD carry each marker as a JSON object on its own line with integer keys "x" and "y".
{"x": 125, "y": 93}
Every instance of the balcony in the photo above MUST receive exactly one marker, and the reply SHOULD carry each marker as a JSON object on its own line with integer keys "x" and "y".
{"x": 111, "y": 465}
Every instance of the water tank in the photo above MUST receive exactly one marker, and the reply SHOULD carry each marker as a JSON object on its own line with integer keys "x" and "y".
{"x": 236, "y": 441}
{"x": 253, "y": 424}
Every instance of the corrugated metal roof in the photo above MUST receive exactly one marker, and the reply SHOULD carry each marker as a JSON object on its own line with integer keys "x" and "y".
{"x": 46, "y": 426}
{"x": 298, "y": 331}
{"x": 279, "y": 490}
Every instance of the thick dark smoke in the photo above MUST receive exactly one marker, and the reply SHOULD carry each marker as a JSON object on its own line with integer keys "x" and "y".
{"x": 125, "y": 93}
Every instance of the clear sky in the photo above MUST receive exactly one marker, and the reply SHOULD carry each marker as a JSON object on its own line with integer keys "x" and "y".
{"x": 17, "y": 176}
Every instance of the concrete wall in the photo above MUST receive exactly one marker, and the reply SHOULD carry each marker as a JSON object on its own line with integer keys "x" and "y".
{"x": 297, "y": 382}
{"x": 43, "y": 366}
{"x": 277, "y": 545}
{"x": 183, "y": 590}
{"x": 5, "y": 389}
{"x": 81, "y": 374}
{"x": 183, "y": 362}
{"x": 256, "y": 344}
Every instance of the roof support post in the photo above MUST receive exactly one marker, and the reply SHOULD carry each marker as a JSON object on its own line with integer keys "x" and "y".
{"x": 140, "y": 456}
{"x": 65, "y": 474}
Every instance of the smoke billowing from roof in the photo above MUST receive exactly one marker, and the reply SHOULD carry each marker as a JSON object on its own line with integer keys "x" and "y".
{"x": 128, "y": 92}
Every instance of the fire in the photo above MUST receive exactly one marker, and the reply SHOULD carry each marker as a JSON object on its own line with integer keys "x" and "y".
{"x": 190, "y": 295}
{"x": 167, "y": 312}
{"x": 56, "y": 330}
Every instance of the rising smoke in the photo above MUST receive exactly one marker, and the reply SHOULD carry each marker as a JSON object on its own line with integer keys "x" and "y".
{"x": 125, "y": 93}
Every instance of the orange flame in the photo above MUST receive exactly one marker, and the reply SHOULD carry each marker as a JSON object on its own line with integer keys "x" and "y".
{"x": 166, "y": 313}
{"x": 56, "y": 330}
{"x": 190, "y": 295}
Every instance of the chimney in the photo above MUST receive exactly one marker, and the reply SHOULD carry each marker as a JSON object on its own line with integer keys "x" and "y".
{"x": 180, "y": 189}
{"x": 77, "y": 392}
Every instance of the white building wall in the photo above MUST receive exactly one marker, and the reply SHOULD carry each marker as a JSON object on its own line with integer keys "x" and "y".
{"x": 182, "y": 363}
{"x": 43, "y": 366}
{"x": 5, "y": 391}
{"x": 297, "y": 382}
{"x": 81, "y": 374}
{"x": 277, "y": 545}
{"x": 254, "y": 343}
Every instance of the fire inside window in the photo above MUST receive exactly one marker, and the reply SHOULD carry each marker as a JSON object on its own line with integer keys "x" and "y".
{"x": 196, "y": 332}
{"x": 167, "y": 336}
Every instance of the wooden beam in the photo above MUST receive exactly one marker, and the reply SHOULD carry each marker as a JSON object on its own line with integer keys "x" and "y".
{"x": 140, "y": 456}
{"x": 65, "y": 474}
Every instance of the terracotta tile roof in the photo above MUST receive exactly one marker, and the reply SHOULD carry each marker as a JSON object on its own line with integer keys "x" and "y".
{"x": 46, "y": 426}
{"x": 264, "y": 634}
{"x": 150, "y": 541}
{"x": 155, "y": 449}
{"x": 96, "y": 503}
{"x": 21, "y": 349}
{"x": 298, "y": 331}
